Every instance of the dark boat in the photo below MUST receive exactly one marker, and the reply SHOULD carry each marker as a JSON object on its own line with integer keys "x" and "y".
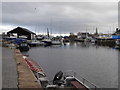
{"x": 47, "y": 41}
{"x": 57, "y": 78}
{"x": 24, "y": 46}
{"x": 68, "y": 80}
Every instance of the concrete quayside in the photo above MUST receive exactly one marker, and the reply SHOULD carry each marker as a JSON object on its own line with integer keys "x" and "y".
{"x": 15, "y": 72}
{"x": 26, "y": 78}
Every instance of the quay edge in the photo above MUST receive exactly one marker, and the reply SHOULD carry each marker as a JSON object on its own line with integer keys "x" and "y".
{"x": 26, "y": 78}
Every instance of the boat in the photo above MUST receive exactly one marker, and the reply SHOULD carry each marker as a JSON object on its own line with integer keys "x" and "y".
{"x": 33, "y": 43}
{"x": 40, "y": 37}
{"x": 56, "y": 42}
{"x": 117, "y": 42}
{"x": 93, "y": 40}
{"x": 47, "y": 41}
{"x": 70, "y": 81}
{"x": 23, "y": 47}
{"x": 79, "y": 39}
{"x": 8, "y": 38}
{"x": 23, "y": 37}
{"x": 21, "y": 44}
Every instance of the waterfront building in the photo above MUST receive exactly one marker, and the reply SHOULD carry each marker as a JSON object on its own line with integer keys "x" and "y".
{"x": 22, "y": 32}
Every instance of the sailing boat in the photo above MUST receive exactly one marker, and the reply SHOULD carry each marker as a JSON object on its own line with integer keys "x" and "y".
{"x": 47, "y": 40}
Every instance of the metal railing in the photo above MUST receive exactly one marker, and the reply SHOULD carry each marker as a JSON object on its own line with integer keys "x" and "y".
{"x": 82, "y": 80}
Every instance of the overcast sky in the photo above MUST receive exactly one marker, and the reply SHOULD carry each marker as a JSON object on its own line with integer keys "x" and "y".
{"x": 60, "y": 17}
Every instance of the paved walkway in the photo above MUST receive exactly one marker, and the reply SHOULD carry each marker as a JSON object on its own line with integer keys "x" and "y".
{"x": 26, "y": 77}
{"x": 9, "y": 69}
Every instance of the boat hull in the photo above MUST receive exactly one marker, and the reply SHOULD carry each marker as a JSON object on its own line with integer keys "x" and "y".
{"x": 24, "y": 48}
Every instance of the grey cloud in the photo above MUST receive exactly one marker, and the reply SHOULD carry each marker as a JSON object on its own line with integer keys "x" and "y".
{"x": 61, "y": 17}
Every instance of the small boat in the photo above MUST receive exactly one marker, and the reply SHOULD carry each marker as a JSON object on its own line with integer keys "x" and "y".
{"x": 23, "y": 46}
{"x": 56, "y": 42}
{"x": 40, "y": 37}
{"x": 33, "y": 43}
{"x": 23, "y": 37}
{"x": 69, "y": 80}
{"x": 10, "y": 38}
{"x": 47, "y": 41}
{"x": 117, "y": 42}
{"x": 93, "y": 41}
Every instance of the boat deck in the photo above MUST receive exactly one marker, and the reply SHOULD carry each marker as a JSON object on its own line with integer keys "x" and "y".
{"x": 78, "y": 85}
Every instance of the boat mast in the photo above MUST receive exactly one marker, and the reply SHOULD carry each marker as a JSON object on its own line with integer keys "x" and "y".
{"x": 51, "y": 26}
{"x": 48, "y": 32}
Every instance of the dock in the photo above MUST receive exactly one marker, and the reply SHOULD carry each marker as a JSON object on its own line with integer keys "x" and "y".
{"x": 9, "y": 70}
{"x": 15, "y": 72}
{"x": 26, "y": 78}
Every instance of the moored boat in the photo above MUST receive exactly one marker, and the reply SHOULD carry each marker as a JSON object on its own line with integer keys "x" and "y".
{"x": 69, "y": 80}
{"x": 33, "y": 43}
{"x": 47, "y": 41}
{"x": 117, "y": 42}
{"x": 23, "y": 46}
{"x": 56, "y": 42}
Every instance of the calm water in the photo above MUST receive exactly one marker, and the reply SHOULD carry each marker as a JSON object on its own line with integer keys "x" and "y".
{"x": 97, "y": 64}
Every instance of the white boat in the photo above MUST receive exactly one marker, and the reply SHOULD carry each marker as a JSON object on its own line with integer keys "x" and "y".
{"x": 11, "y": 37}
{"x": 93, "y": 40}
{"x": 24, "y": 37}
{"x": 40, "y": 37}
{"x": 117, "y": 42}
{"x": 56, "y": 42}
{"x": 35, "y": 43}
